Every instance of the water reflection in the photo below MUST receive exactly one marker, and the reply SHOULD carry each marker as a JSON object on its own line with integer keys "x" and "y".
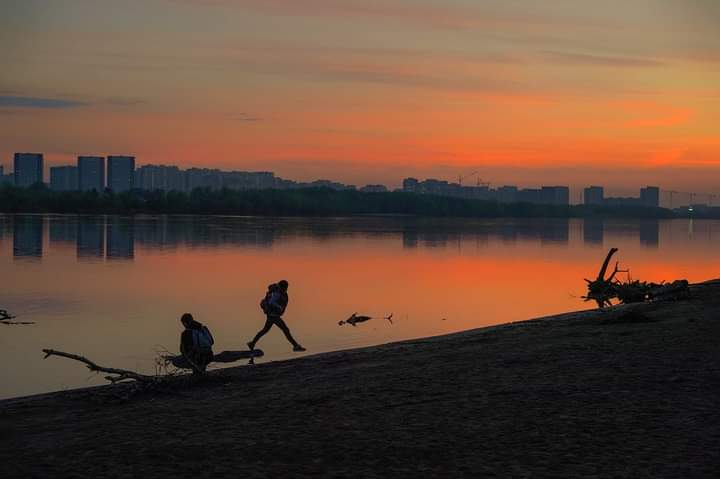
{"x": 650, "y": 233}
{"x": 145, "y": 271}
{"x": 593, "y": 231}
{"x": 120, "y": 240}
{"x": 113, "y": 237}
{"x": 28, "y": 237}
{"x": 90, "y": 239}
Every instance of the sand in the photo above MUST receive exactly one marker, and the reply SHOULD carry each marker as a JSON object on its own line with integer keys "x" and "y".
{"x": 575, "y": 395}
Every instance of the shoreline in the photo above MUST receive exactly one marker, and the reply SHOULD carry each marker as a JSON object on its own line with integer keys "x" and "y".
{"x": 628, "y": 391}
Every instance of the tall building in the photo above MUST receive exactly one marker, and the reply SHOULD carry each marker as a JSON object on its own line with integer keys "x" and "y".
{"x": 63, "y": 178}
{"x": 28, "y": 169}
{"x": 160, "y": 177}
{"x": 121, "y": 173}
{"x": 555, "y": 195}
{"x": 650, "y": 196}
{"x": 594, "y": 195}
{"x": 411, "y": 185}
{"x": 91, "y": 173}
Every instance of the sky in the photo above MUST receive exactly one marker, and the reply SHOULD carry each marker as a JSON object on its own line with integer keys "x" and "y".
{"x": 620, "y": 93}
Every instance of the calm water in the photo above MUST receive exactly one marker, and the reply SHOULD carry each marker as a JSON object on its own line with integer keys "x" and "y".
{"x": 112, "y": 288}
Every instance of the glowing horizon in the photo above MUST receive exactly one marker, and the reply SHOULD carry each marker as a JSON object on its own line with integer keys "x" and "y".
{"x": 373, "y": 91}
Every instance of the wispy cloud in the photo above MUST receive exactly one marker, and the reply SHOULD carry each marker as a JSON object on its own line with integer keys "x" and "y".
{"x": 7, "y": 101}
{"x": 244, "y": 117}
{"x": 600, "y": 60}
{"x": 441, "y": 15}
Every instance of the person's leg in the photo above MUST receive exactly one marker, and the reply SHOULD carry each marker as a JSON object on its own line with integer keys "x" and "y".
{"x": 281, "y": 324}
{"x": 261, "y": 333}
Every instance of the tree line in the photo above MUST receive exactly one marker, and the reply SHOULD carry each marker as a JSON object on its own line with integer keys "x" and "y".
{"x": 291, "y": 202}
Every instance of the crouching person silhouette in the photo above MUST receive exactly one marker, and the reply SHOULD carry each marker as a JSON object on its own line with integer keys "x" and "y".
{"x": 273, "y": 305}
{"x": 196, "y": 343}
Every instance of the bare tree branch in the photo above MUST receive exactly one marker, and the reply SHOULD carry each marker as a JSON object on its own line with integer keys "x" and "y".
{"x": 119, "y": 374}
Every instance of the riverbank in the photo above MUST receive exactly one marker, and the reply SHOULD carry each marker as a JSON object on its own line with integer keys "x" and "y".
{"x": 631, "y": 391}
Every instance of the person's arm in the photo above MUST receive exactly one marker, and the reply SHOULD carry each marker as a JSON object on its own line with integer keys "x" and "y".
{"x": 276, "y": 304}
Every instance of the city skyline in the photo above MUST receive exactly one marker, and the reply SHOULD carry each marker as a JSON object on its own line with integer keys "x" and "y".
{"x": 122, "y": 175}
{"x": 363, "y": 92}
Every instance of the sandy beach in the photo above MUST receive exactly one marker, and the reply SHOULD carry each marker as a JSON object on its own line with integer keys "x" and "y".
{"x": 586, "y": 394}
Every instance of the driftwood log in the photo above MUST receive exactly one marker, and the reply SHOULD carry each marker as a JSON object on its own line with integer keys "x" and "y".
{"x": 114, "y": 375}
{"x": 603, "y": 290}
{"x": 181, "y": 362}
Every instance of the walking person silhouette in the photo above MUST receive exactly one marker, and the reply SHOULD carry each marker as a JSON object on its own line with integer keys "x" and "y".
{"x": 273, "y": 305}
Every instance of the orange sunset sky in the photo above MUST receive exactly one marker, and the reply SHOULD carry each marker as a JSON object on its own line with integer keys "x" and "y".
{"x": 621, "y": 93}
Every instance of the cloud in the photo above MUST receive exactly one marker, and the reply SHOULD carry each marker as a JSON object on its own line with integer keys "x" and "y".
{"x": 34, "y": 102}
{"x": 600, "y": 60}
{"x": 244, "y": 117}
{"x": 440, "y": 15}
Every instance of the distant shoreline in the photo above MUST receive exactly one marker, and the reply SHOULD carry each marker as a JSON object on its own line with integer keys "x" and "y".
{"x": 307, "y": 202}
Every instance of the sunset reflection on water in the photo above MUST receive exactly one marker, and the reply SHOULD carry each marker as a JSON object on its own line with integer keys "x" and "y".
{"x": 113, "y": 288}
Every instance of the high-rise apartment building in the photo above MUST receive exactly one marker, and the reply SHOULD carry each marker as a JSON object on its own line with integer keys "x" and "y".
{"x": 91, "y": 173}
{"x": 650, "y": 196}
{"x": 594, "y": 195}
{"x": 121, "y": 173}
{"x": 63, "y": 178}
{"x": 28, "y": 169}
{"x": 555, "y": 195}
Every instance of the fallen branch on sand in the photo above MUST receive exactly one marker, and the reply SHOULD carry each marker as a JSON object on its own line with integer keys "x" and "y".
{"x": 117, "y": 374}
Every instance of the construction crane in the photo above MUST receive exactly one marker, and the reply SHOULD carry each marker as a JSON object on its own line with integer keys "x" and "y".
{"x": 461, "y": 177}
{"x": 480, "y": 183}
{"x": 710, "y": 198}
{"x": 671, "y": 192}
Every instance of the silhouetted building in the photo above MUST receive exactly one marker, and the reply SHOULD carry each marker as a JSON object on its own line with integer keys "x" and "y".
{"x": 555, "y": 195}
{"x": 650, "y": 196}
{"x": 160, "y": 177}
{"x": 411, "y": 185}
{"x": 63, "y": 178}
{"x": 374, "y": 189}
{"x": 247, "y": 180}
{"x": 27, "y": 236}
{"x": 28, "y": 169}
{"x": 91, "y": 173}
{"x": 594, "y": 195}
{"x": 121, "y": 173}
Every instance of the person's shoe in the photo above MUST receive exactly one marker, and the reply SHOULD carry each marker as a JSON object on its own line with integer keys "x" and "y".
{"x": 251, "y": 345}
{"x": 299, "y": 349}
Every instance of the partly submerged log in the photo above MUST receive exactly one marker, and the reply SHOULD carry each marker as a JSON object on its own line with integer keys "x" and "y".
{"x": 181, "y": 362}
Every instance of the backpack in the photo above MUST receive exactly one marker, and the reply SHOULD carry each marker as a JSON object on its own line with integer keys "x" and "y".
{"x": 202, "y": 339}
{"x": 265, "y": 302}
